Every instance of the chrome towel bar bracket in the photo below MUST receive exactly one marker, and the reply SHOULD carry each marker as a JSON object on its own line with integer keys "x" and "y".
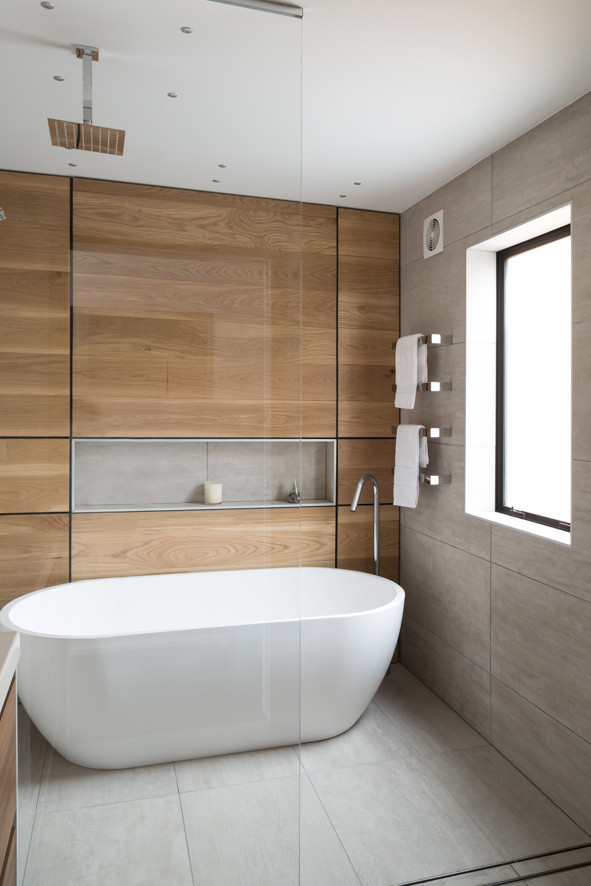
{"x": 435, "y": 479}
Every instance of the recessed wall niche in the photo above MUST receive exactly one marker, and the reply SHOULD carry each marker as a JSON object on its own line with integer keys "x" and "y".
{"x": 169, "y": 474}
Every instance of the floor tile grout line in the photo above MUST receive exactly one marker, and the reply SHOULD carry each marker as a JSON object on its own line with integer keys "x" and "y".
{"x": 511, "y": 863}
{"x": 46, "y": 749}
{"x": 333, "y": 826}
{"x": 180, "y": 800}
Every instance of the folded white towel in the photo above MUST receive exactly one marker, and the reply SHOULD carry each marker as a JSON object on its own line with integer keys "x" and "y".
{"x": 411, "y": 453}
{"x": 411, "y": 369}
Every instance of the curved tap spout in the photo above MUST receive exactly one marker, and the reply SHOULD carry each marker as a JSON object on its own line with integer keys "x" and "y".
{"x": 369, "y": 478}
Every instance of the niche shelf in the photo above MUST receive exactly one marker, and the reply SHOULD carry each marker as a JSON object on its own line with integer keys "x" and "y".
{"x": 168, "y": 474}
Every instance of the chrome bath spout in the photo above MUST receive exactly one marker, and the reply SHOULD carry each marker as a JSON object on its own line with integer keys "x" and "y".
{"x": 369, "y": 478}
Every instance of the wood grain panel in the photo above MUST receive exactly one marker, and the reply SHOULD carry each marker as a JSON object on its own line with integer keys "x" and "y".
{"x": 34, "y": 475}
{"x": 7, "y": 770}
{"x": 37, "y": 233}
{"x": 368, "y": 310}
{"x": 34, "y": 353}
{"x": 355, "y": 540}
{"x": 359, "y": 457}
{"x": 148, "y": 543}
{"x": 370, "y": 234}
{"x": 216, "y": 344}
{"x": 9, "y": 871}
{"x": 365, "y": 418}
{"x": 179, "y": 220}
{"x": 33, "y": 553}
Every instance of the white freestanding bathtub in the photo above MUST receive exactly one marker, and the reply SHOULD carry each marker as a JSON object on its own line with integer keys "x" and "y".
{"x": 131, "y": 671}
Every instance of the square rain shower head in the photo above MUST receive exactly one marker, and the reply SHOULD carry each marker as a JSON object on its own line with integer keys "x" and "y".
{"x": 86, "y": 137}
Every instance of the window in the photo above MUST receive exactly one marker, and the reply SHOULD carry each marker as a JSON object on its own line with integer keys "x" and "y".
{"x": 536, "y": 363}
{"x": 533, "y": 417}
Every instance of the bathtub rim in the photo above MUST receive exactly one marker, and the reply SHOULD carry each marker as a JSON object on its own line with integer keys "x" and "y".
{"x": 7, "y": 624}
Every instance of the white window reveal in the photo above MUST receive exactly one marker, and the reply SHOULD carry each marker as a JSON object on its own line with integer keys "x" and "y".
{"x": 518, "y": 382}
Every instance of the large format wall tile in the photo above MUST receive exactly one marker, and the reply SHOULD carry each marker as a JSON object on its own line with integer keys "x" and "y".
{"x": 466, "y": 204}
{"x": 435, "y": 292}
{"x": 448, "y": 593}
{"x": 581, "y": 403}
{"x": 541, "y": 647}
{"x": 555, "y": 759}
{"x": 463, "y": 685}
{"x": 440, "y": 511}
{"x": 555, "y": 564}
{"x": 552, "y": 157}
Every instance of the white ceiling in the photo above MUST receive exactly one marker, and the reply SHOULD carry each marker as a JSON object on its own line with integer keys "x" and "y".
{"x": 399, "y": 95}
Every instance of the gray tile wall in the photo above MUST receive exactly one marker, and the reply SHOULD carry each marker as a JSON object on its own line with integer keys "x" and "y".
{"x": 498, "y": 623}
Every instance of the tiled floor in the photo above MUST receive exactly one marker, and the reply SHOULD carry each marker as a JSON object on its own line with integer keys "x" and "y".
{"x": 410, "y": 792}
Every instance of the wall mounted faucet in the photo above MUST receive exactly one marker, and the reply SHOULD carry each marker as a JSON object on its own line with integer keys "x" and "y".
{"x": 369, "y": 478}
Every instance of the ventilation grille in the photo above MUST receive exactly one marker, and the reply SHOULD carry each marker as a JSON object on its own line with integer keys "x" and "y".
{"x": 86, "y": 137}
{"x": 433, "y": 234}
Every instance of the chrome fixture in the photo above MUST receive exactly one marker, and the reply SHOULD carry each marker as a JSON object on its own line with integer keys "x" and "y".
{"x": 2, "y": 214}
{"x": 369, "y": 478}
{"x": 266, "y": 6}
{"x": 435, "y": 479}
{"x": 86, "y": 136}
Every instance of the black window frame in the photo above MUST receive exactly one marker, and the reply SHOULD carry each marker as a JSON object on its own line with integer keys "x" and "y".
{"x": 502, "y": 256}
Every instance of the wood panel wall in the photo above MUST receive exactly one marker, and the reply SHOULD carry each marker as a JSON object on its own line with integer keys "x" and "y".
{"x": 35, "y": 295}
{"x": 187, "y": 322}
{"x": 368, "y": 325}
{"x": 109, "y": 545}
{"x": 187, "y": 317}
{"x": 34, "y": 382}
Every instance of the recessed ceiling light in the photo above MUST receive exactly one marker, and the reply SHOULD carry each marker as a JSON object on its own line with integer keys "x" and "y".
{"x": 58, "y": 77}
{"x": 46, "y": 4}
{"x": 342, "y": 195}
{"x": 356, "y": 183}
{"x": 172, "y": 94}
{"x": 216, "y": 180}
{"x": 72, "y": 164}
{"x": 186, "y": 29}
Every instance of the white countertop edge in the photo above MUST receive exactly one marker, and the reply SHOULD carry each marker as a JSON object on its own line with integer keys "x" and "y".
{"x": 10, "y": 650}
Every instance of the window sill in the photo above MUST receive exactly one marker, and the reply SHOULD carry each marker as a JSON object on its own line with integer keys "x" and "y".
{"x": 538, "y": 529}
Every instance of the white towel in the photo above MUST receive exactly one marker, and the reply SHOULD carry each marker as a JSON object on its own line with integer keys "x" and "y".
{"x": 411, "y": 453}
{"x": 411, "y": 369}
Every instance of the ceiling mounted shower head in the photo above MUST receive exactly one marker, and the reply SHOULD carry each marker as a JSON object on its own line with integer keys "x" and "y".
{"x": 86, "y": 136}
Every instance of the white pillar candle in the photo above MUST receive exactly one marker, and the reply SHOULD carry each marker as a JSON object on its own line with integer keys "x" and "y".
{"x": 213, "y": 493}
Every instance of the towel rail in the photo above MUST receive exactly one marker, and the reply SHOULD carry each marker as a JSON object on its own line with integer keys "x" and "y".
{"x": 431, "y": 386}
{"x": 435, "y": 386}
{"x": 435, "y": 338}
{"x": 435, "y": 433}
{"x": 435, "y": 479}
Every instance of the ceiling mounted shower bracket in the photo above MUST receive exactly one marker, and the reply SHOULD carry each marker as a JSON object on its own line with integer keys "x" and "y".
{"x": 86, "y": 136}
{"x": 88, "y": 54}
